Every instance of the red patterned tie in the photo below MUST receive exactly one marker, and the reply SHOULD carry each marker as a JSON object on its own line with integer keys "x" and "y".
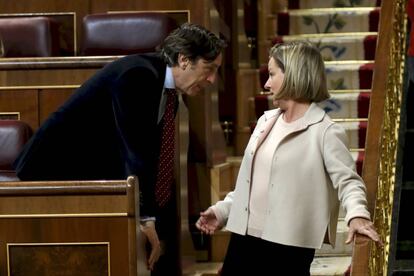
{"x": 165, "y": 176}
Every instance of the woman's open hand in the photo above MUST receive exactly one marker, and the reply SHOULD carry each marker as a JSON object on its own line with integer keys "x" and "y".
{"x": 362, "y": 226}
{"x": 208, "y": 222}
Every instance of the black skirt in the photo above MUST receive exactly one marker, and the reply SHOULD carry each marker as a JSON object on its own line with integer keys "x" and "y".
{"x": 247, "y": 255}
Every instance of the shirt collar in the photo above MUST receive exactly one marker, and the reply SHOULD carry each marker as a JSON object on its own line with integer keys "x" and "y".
{"x": 169, "y": 80}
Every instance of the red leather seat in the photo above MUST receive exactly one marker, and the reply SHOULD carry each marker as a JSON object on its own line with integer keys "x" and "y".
{"x": 124, "y": 33}
{"x": 13, "y": 136}
{"x": 29, "y": 36}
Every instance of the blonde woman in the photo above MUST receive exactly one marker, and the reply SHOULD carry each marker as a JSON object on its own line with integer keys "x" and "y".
{"x": 296, "y": 170}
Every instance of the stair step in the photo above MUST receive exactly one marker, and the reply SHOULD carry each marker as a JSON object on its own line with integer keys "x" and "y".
{"x": 347, "y": 105}
{"x": 328, "y": 20}
{"x": 349, "y": 74}
{"x": 339, "y": 46}
{"x": 351, "y": 103}
{"x": 330, "y": 266}
{"x": 203, "y": 269}
{"x": 356, "y": 132}
{"x": 307, "y": 4}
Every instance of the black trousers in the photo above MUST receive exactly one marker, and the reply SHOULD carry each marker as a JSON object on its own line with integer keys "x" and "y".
{"x": 247, "y": 255}
{"x": 167, "y": 226}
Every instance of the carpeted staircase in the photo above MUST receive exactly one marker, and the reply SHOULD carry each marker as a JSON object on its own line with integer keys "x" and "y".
{"x": 345, "y": 31}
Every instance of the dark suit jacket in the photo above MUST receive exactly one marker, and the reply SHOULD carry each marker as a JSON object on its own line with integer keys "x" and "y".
{"x": 107, "y": 130}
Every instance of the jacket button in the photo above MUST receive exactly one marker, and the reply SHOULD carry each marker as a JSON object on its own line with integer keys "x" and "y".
{"x": 245, "y": 209}
{"x": 248, "y": 181}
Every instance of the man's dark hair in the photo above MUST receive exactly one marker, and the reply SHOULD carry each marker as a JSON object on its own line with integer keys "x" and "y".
{"x": 192, "y": 41}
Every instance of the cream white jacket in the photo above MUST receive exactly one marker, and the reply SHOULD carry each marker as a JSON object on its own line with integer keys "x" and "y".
{"x": 312, "y": 170}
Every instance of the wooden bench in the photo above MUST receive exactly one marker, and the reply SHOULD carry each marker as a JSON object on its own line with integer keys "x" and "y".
{"x": 71, "y": 228}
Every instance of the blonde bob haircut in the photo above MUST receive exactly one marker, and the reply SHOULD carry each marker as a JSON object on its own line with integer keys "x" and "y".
{"x": 304, "y": 69}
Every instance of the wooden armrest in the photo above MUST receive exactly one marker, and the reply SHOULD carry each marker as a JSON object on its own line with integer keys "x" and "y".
{"x": 33, "y": 188}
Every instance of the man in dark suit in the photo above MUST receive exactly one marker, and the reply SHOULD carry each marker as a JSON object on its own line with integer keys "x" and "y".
{"x": 111, "y": 127}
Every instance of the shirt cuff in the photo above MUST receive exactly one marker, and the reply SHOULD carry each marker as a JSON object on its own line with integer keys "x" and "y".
{"x": 219, "y": 217}
{"x": 147, "y": 218}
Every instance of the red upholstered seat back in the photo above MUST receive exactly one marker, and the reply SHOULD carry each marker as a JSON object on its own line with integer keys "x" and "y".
{"x": 29, "y": 36}
{"x": 13, "y": 136}
{"x": 124, "y": 33}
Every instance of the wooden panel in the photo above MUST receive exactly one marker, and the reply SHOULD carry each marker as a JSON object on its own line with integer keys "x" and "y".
{"x": 23, "y": 101}
{"x": 67, "y": 32}
{"x": 35, "y": 87}
{"x": 219, "y": 243}
{"x": 67, "y": 198}
{"x": 267, "y": 21}
{"x": 67, "y": 230}
{"x": 62, "y": 205}
{"x": 119, "y": 230}
{"x": 10, "y": 115}
{"x": 102, "y": 6}
{"x": 247, "y": 86}
{"x": 52, "y": 259}
{"x": 221, "y": 178}
{"x": 111, "y": 5}
{"x": 199, "y": 9}
{"x": 39, "y": 6}
{"x": 50, "y": 100}
{"x": 179, "y": 16}
{"x": 28, "y": 77}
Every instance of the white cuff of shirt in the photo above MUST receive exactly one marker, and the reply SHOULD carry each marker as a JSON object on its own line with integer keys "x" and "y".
{"x": 146, "y": 218}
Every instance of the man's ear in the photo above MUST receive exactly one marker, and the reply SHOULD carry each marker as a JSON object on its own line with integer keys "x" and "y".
{"x": 182, "y": 61}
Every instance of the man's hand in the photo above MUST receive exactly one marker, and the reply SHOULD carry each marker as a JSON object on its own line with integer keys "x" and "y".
{"x": 148, "y": 228}
{"x": 364, "y": 227}
{"x": 208, "y": 222}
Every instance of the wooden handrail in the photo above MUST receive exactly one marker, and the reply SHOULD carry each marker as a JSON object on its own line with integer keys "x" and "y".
{"x": 34, "y": 188}
{"x": 360, "y": 255}
{"x": 56, "y": 62}
{"x": 379, "y": 143}
{"x": 370, "y": 170}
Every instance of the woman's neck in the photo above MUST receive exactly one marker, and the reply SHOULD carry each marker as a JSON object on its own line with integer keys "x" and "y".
{"x": 293, "y": 110}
